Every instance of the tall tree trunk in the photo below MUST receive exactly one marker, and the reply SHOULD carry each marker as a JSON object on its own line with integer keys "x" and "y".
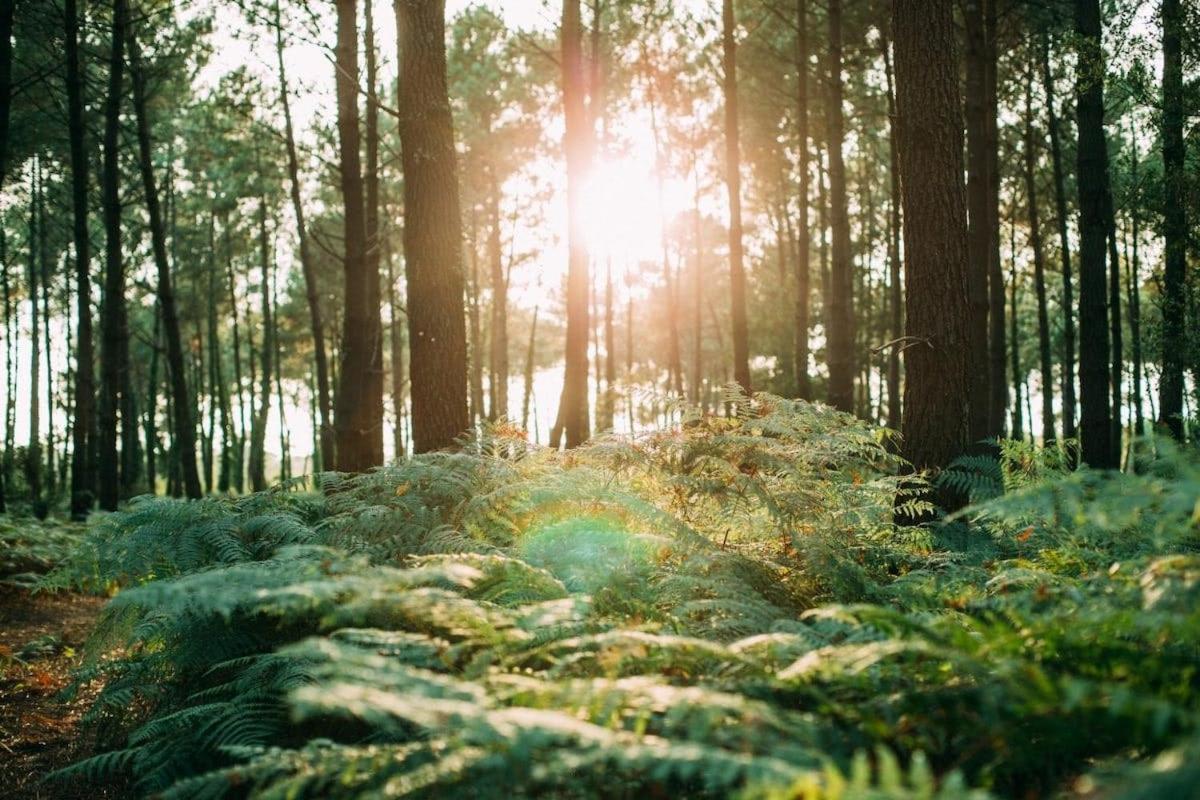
{"x": 498, "y": 355}
{"x": 1092, "y": 179}
{"x": 1060, "y": 207}
{"x": 610, "y": 351}
{"x": 437, "y": 333}
{"x": 33, "y": 452}
{"x": 1175, "y": 226}
{"x": 1039, "y": 269}
{"x": 733, "y": 183}
{"x": 396, "y": 334}
{"x": 114, "y": 334}
{"x": 7, "y": 9}
{"x": 475, "y": 328}
{"x": 573, "y": 404}
{"x": 895, "y": 294}
{"x": 44, "y": 278}
{"x": 258, "y": 425}
{"x": 359, "y": 403}
{"x": 936, "y": 392}
{"x": 803, "y": 273}
{"x": 285, "y": 449}
{"x": 1117, "y": 359}
{"x": 528, "y": 376}
{"x": 185, "y": 429}
{"x": 216, "y": 371}
{"x": 1018, "y": 382}
{"x": 698, "y": 290}
{"x": 979, "y": 230}
{"x": 998, "y": 398}
{"x": 83, "y": 430}
{"x": 840, "y": 333}
{"x": 311, "y": 289}
{"x": 151, "y": 423}
{"x": 373, "y": 252}
{"x": 239, "y": 444}
{"x": 1133, "y": 293}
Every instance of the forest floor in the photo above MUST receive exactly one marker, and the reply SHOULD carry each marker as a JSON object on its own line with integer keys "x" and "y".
{"x": 41, "y": 643}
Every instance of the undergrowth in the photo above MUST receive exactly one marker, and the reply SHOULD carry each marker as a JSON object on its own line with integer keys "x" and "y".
{"x": 737, "y": 607}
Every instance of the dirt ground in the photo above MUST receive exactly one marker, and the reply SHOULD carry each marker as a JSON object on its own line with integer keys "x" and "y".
{"x": 41, "y": 642}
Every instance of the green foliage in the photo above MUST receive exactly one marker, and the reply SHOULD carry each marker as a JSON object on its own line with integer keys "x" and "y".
{"x": 729, "y": 609}
{"x": 29, "y": 548}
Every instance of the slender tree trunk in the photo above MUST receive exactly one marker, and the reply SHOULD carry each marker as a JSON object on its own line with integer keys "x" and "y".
{"x": 936, "y": 392}
{"x": 698, "y": 290}
{"x": 978, "y": 217}
{"x": 11, "y": 365}
{"x": 803, "y": 297}
{"x": 498, "y": 356}
{"x": 185, "y": 429}
{"x": 475, "y": 329}
{"x": 1117, "y": 363}
{"x": 573, "y": 404}
{"x": 152, "y": 405}
{"x": 1039, "y": 268}
{"x": 733, "y": 183}
{"x": 896, "y": 299}
{"x": 83, "y": 430}
{"x": 1060, "y": 205}
{"x": 7, "y": 9}
{"x": 33, "y": 451}
{"x": 285, "y": 448}
{"x": 44, "y": 278}
{"x": 373, "y": 252}
{"x": 1175, "y": 225}
{"x": 396, "y": 332}
{"x": 114, "y": 334}
{"x": 238, "y": 446}
{"x": 216, "y": 369}
{"x": 1092, "y": 179}
{"x": 840, "y": 333}
{"x": 359, "y": 402}
{"x": 437, "y": 333}
{"x": 258, "y": 426}
{"x": 311, "y": 288}
{"x": 529, "y": 367}
{"x": 998, "y": 398}
{"x": 1018, "y": 382}
{"x": 610, "y": 352}
{"x": 1134, "y": 284}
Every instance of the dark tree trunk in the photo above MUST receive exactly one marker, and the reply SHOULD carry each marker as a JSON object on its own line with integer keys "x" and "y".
{"x": 359, "y": 403}
{"x": 83, "y": 430}
{"x": 216, "y": 371}
{"x": 936, "y": 394}
{"x": 573, "y": 404}
{"x": 1117, "y": 358}
{"x": 437, "y": 333}
{"x": 1039, "y": 269}
{"x": 840, "y": 333}
{"x": 733, "y": 183}
{"x": 1133, "y": 294}
{"x": 7, "y": 9}
{"x": 1175, "y": 226}
{"x": 1018, "y": 382}
{"x": 498, "y": 354}
{"x": 396, "y": 333}
{"x": 998, "y": 398}
{"x": 475, "y": 329}
{"x": 33, "y": 452}
{"x": 152, "y": 406}
{"x": 1060, "y": 207}
{"x": 311, "y": 290}
{"x": 373, "y": 252}
{"x": 529, "y": 356}
{"x": 979, "y": 231}
{"x": 803, "y": 274}
{"x": 184, "y": 432}
{"x": 44, "y": 278}
{"x": 895, "y": 294}
{"x": 114, "y": 334}
{"x": 238, "y": 445}
{"x": 258, "y": 425}
{"x": 10, "y": 368}
{"x": 1092, "y": 179}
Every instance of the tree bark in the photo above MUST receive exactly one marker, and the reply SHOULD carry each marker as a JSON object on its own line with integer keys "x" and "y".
{"x": 1175, "y": 226}
{"x": 1039, "y": 269}
{"x": 803, "y": 273}
{"x": 895, "y": 292}
{"x": 840, "y": 333}
{"x": 498, "y": 354}
{"x": 733, "y": 184}
{"x": 185, "y": 429}
{"x": 573, "y": 404}
{"x": 432, "y": 231}
{"x": 33, "y": 451}
{"x": 998, "y": 397}
{"x": 936, "y": 394}
{"x": 358, "y": 417}
{"x": 114, "y": 335}
{"x": 1092, "y": 179}
{"x": 978, "y": 215}
{"x": 1117, "y": 359}
{"x": 83, "y": 431}
{"x": 307, "y": 268}
{"x": 258, "y": 425}
{"x": 1060, "y": 205}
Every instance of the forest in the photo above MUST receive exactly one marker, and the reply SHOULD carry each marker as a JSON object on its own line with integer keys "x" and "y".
{"x": 759, "y": 399}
